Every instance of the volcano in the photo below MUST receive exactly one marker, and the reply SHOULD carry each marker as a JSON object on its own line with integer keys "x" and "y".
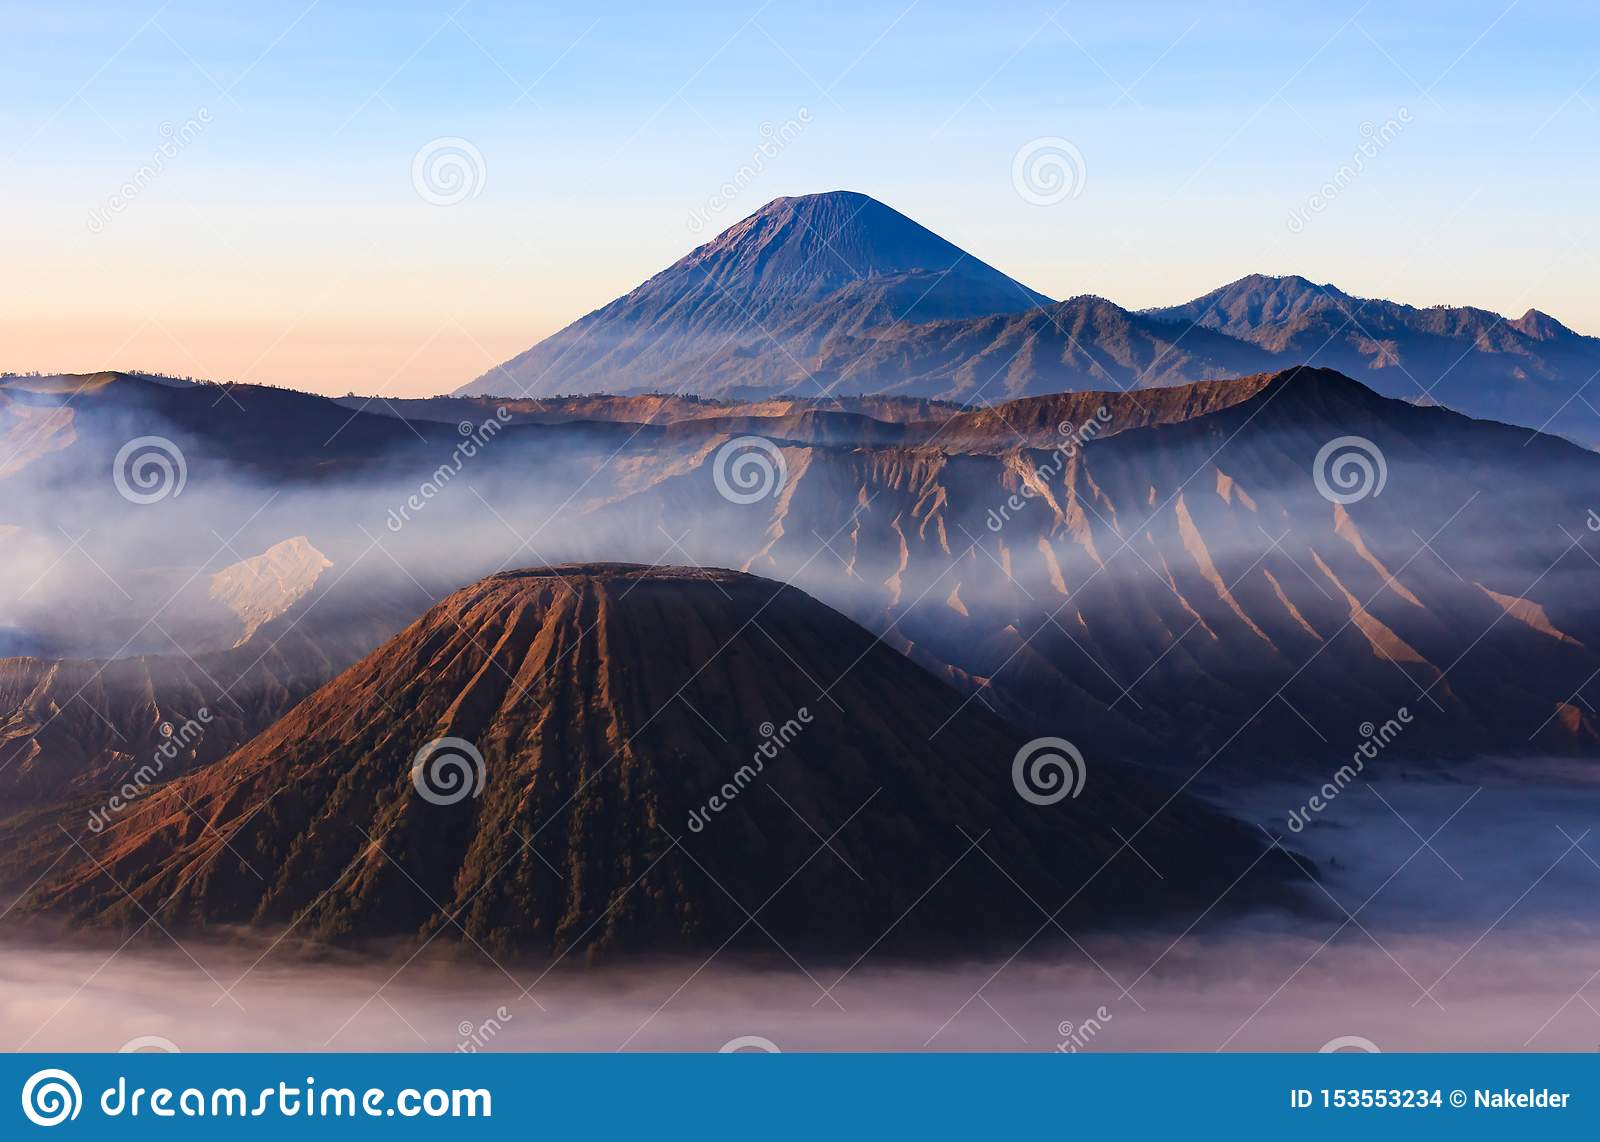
{"x": 799, "y": 272}
{"x": 619, "y": 758}
{"x": 836, "y": 294}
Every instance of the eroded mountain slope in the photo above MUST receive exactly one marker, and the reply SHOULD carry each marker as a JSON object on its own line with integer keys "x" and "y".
{"x": 662, "y": 752}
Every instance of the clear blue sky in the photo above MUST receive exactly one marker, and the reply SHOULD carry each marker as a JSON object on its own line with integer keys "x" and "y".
{"x": 285, "y": 242}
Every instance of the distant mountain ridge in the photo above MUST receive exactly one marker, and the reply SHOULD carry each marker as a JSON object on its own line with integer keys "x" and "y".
{"x": 1185, "y": 552}
{"x": 837, "y": 294}
{"x": 1178, "y": 532}
{"x": 798, "y": 269}
{"x": 1526, "y": 370}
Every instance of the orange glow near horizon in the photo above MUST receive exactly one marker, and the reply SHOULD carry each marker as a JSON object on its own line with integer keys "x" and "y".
{"x": 376, "y": 359}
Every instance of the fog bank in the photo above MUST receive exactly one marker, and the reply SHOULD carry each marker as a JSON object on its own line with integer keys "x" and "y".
{"x": 1484, "y": 940}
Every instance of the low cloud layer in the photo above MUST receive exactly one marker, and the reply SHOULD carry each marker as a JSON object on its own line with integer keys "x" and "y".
{"x": 1495, "y": 921}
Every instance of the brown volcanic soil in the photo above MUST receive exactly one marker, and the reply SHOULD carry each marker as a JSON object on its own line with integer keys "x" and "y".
{"x": 1031, "y": 421}
{"x": 75, "y": 731}
{"x": 649, "y": 408}
{"x": 609, "y": 702}
{"x": 1060, "y": 419}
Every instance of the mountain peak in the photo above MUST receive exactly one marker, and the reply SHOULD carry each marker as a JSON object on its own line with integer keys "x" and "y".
{"x": 1286, "y": 286}
{"x": 1253, "y": 301}
{"x": 262, "y": 587}
{"x": 1540, "y": 326}
{"x": 822, "y": 200}
{"x": 1288, "y": 281}
{"x": 595, "y": 718}
{"x": 828, "y": 240}
{"x": 777, "y": 283}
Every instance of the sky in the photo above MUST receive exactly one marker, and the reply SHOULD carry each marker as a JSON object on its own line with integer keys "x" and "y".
{"x": 392, "y": 198}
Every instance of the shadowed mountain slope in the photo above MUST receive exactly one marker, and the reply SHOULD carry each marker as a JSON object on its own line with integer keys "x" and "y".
{"x": 612, "y": 706}
{"x": 1086, "y": 343}
{"x": 1165, "y": 574}
{"x": 799, "y": 270}
{"x": 837, "y": 294}
{"x": 71, "y": 727}
{"x": 1184, "y": 589}
{"x": 1529, "y": 370}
